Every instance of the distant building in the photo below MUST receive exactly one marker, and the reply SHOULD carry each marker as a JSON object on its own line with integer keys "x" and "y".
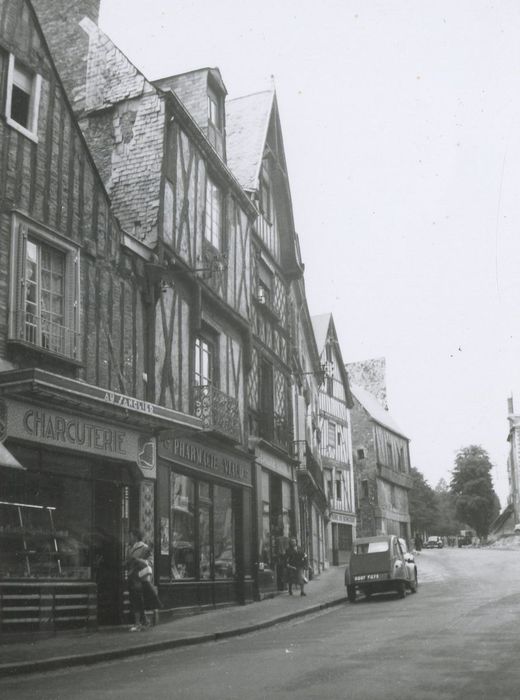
{"x": 381, "y": 458}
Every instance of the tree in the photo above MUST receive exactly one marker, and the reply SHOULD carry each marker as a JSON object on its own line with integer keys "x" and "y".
{"x": 447, "y": 520}
{"x": 472, "y": 486}
{"x": 422, "y": 504}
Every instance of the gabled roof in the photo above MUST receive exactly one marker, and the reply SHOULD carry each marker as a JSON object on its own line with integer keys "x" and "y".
{"x": 324, "y": 326}
{"x": 372, "y": 406}
{"x": 247, "y": 122}
{"x": 321, "y": 328}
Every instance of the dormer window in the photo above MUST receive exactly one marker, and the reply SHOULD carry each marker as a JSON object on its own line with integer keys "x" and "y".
{"x": 214, "y": 111}
{"x": 23, "y": 97}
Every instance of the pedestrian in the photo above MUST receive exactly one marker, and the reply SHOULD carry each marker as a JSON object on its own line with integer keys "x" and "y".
{"x": 295, "y": 564}
{"x": 140, "y": 588}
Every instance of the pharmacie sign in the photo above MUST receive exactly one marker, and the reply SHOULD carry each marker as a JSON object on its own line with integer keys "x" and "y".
{"x": 205, "y": 459}
{"x": 54, "y": 428}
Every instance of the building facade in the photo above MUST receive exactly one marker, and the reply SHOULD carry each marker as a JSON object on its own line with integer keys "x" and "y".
{"x": 308, "y": 378}
{"x": 255, "y": 154}
{"x": 77, "y": 430}
{"x": 335, "y": 402}
{"x": 381, "y": 458}
{"x": 184, "y": 224}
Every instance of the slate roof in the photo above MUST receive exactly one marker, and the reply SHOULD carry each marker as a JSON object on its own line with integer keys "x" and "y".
{"x": 247, "y": 122}
{"x": 375, "y": 410}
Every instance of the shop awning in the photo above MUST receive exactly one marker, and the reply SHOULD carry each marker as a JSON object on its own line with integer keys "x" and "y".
{"x": 8, "y": 460}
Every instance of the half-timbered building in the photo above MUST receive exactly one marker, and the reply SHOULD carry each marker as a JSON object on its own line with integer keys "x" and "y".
{"x": 255, "y": 154}
{"x": 163, "y": 165}
{"x": 77, "y": 432}
{"x": 336, "y": 442}
{"x": 309, "y": 375}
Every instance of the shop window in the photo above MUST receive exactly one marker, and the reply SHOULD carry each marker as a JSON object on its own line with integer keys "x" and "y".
{"x": 223, "y": 533}
{"x": 204, "y": 530}
{"x": 182, "y": 517}
{"x": 23, "y": 97}
{"x": 47, "y": 532}
{"x": 213, "y": 221}
{"x": 44, "y": 291}
{"x": 213, "y": 542}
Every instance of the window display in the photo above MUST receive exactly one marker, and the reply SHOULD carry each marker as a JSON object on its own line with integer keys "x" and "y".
{"x": 202, "y": 531}
{"x": 223, "y": 529}
{"x": 28, "y": 542}
{"x": 182, "y": 504}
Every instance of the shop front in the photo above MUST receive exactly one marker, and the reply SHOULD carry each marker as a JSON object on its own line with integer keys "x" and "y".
{"x": 81, "y": 473}
{"x": 204, "y": 523}
{"x": 276, "y": 518}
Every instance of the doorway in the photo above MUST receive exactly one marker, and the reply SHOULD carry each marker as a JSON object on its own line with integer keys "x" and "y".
{"x": 110, "y": 528}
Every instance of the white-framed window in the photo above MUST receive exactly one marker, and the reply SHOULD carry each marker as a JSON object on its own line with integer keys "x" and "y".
{"x": 213, "y": 223}
{"x": 23, "y": 98}
{"x": 44, "y": 290}
{"x": 214, "y": 111}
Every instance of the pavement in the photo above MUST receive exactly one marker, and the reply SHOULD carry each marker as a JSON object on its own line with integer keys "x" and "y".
{"x": 83, "y": 648}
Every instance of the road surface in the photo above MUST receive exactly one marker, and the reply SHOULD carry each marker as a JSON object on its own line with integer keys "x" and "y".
{"x": 457, "y": 638}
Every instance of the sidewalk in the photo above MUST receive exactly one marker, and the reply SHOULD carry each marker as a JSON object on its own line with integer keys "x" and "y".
{"x": 92, "y": 647}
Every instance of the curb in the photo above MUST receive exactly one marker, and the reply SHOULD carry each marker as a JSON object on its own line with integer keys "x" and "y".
{"x": 17, "y": 668}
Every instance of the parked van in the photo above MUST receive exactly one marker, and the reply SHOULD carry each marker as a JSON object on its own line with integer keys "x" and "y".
{"x": 380, "y": 564}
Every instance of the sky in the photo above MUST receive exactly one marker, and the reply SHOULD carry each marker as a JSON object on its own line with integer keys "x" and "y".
{"x": 401, "y": 127}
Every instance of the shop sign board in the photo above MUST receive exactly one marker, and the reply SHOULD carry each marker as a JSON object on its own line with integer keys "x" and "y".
{"x": 206, "y": 459}
{"x": 342, "y": 518}
{"x": 51, "y": 428}
{"x": 275, "y": 464}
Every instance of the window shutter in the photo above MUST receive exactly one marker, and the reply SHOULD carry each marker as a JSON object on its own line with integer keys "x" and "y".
{"x": 72, "y": 348}
{"x": 18, "y": 326}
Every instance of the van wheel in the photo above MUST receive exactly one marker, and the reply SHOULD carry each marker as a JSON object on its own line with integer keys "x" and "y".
{"x": 351, "y": 594}
{"x": 401, "y": 589}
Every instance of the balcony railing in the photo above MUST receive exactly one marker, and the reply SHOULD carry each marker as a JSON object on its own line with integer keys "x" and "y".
{"x": 308, "y": 463}
{"x": 46, "y": 334}
{"x": 273, "y": 428}
{"x": 218, "y": 411}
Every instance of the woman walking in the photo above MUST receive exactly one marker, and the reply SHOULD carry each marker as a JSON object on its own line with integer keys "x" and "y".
{"x": 296, "y": 564}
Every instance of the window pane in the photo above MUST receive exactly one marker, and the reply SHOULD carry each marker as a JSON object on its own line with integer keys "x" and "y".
{"x": 224, "y": 531}
{"x": 213, "y": 215}
{"x": 204, "y": 530}
{"x": 182, "y": 502}
{"x": 20, "y": 106}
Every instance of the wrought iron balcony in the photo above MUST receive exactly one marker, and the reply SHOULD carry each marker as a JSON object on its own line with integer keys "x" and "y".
{"x": 273, "y": 428}
{"x": 308, "y": 462}
{"x": 218, "y": 411}
{"x": 45, "y": 333}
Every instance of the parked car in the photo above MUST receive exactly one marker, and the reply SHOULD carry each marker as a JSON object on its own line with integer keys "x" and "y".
{"x": 378, "y": 565}
{"x": 434, "y": 542}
